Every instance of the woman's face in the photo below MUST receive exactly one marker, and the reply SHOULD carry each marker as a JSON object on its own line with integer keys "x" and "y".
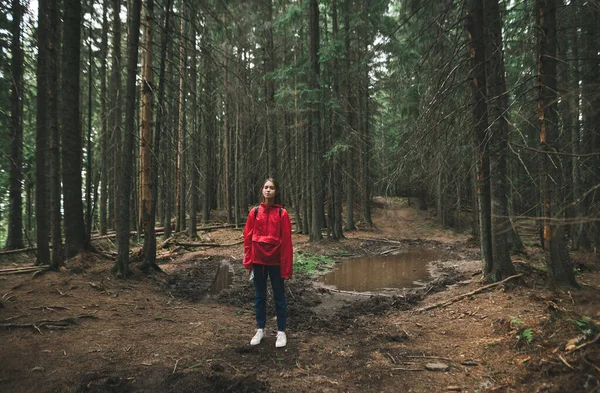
{"x": 269, "y": 191}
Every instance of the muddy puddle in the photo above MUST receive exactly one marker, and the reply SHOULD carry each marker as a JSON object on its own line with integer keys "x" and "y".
{"x": 407, "y": 269}
{"x": 200, "y": 278}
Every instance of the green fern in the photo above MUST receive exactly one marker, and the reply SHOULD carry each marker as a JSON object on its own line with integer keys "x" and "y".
{"x": 526, "y": 335}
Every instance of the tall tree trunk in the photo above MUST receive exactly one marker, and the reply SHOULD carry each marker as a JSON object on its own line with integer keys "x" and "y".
{"x": 122, "y": 266}
{"x": 298, "y": 185}
{"x": 315, "y": 123}
{"x": 209, "y": 127}
{"x": 75, "y": 236}
{"x": 477, "y": 75}
{"x": 565, "y": 110}
{"x": 498, "y": 142}
{"x": 440, "y": 192}
{"x": 593, "y": 43}
{"x": 365, "y": 141}
{"x": 116, "y": 103}
{"x": 589, "y": 91}
{"x": 236, "y": 166}
{"x": 168, "y": 140}
{"x": 348, "y": 97}
{"x": 269, "y": 62}
{"x": 306, "y": 179}
{"x": 193, "y": 206}
{"x": 557, "y": 257}
{"x": 146, "y": 160}
{"x": 103, "y": 122}
{"x": 15, "y": 218}
{"x": 150, "y": 236}
{"x": 179, "y": 194}
{"x": 88, "y": 168}
{"x": 226, "y": 149}
{"x": 58, "y": 252}
{"x": 336, "y": 170}
{"x": 573, "y": 97}
{"x": 41, "y": 136}
{"x": 28, "y": 206}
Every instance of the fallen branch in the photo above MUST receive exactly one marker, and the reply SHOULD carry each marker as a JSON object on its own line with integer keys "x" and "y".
{"x": 48, "y": 322}
{"x": 585, "y": 344}
{"x": 49, "y": 308}
{"x": 14, "y": 269}
{"x": 28, "y": 270}
{"x": 40, "y": 272}
{"x": 240, "y": 225}
{"x": 164, "y": 244}
{"x": 12, "y": 318}
{"x": 369, "y": 294}
{"x": 464, "y": 295}
{"x": 408, "y": 369}
{"x": 430, "y": 357}
{"x": 590, "y": 364}
{"x": 589, "y": 285}
{"x": 390, "y": 250}
{"x": 562, "y": 359}
{"x": 175, "y": 368}
{"x": 18, "y": 250}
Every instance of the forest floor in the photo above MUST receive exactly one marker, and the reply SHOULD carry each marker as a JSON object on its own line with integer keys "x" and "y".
{"x": 83, "y": 330}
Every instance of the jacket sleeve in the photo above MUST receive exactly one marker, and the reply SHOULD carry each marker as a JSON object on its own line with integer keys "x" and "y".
{"x": 248, "y": 229}
{"x": 287, "y": 253}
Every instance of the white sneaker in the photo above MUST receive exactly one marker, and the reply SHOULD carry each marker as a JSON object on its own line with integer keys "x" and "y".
{"x": 281, "y": 340}
{"x": 260, "y": 333}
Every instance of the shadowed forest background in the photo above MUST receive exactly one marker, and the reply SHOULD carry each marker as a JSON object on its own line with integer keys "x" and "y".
{"x": 144, "y": 115}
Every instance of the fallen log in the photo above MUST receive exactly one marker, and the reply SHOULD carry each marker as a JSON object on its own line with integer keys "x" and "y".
{"x": 464, "y": 295}
{"x": 207, "y": 244}
{"x": 18, "y": 250}
{"x": 28, "y": 270}
{"x": 10, "y": 269}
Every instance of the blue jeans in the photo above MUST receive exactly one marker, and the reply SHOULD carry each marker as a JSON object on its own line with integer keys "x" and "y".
{"x": 260, "y": 302}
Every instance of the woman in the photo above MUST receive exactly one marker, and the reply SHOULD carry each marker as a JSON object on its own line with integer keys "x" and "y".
{"x": 268, "y": 253}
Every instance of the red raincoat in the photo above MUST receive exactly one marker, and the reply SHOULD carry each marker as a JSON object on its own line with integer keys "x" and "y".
{"x": 268, "y": 239}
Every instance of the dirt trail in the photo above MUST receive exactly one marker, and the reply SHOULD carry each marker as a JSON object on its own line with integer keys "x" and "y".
{"x": 82, "y": 330}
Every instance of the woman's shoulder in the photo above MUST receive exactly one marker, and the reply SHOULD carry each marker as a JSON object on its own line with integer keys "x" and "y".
{"x": 253, "y": 211}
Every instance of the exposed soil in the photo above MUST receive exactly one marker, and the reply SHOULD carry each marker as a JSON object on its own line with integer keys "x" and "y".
{"x": 83, "y": 330}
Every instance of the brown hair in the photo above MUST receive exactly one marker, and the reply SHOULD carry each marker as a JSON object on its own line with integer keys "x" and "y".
{"x": 277, "y": 199}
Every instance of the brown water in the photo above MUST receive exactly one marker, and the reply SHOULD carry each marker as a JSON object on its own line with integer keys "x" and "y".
{"x": 223, "y": 279}
{"x": 373, "y": 273}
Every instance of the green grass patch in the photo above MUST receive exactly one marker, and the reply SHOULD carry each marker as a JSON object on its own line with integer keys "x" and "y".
{"x": 311, "y": 264}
